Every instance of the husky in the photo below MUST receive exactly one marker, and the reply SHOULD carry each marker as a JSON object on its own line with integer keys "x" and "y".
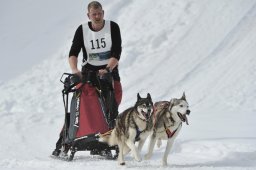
{"x": 168, "y": 119}
{"x": 134, "y": 124}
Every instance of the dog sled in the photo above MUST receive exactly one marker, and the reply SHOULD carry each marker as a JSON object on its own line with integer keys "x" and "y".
{"x": 91, "y": 111}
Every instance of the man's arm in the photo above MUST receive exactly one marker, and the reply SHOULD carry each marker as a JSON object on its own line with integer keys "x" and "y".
{"x": 116, "y": 48}
{"x": 112, "y": 63}
{"x": 74, "y": 51}
{"x": 73, "y": 65}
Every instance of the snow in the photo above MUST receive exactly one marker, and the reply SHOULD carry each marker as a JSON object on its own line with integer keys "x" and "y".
{"x": 205, "y": 48}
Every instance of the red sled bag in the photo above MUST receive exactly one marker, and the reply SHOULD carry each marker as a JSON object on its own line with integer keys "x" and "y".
{"x": 91, "y": 119}
{"x": 93, "y": 109}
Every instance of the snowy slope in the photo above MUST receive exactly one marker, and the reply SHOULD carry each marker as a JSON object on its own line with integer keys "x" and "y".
{"x": 205, "y": 48}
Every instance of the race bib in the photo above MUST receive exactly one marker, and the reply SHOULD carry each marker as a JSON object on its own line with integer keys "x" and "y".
{"x": 98, "y": 44}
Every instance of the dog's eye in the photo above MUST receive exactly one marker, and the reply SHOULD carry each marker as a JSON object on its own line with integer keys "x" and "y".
{"x": 181, "y": 105}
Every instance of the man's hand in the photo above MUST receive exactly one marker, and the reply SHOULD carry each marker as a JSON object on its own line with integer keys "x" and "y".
{"x": 102, "y": 72}
{"x": 78, "y": 72}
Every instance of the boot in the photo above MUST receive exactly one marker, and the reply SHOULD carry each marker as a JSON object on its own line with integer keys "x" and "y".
{"x": 56, "y": 152}
{"x": 106, "y": 153}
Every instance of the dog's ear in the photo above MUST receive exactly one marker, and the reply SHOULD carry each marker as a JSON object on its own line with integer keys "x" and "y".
{"x": 138, "y": 96}
{"x": 172, "y": 101}
{"x": 183, "y": 97}
{"x": 149, "y": 97}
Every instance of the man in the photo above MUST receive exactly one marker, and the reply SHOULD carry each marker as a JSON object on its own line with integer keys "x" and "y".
{"x": 100, "y": 41}
{"x": 90, "y": 37}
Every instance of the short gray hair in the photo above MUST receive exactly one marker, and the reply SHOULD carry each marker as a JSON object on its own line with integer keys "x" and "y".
{"x": 94, "y": 4}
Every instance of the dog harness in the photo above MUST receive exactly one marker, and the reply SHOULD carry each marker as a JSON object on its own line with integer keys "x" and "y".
{"x": 138, "y": 132}
{"x": 164, "y": 105}
{"x": 170, "y": 133}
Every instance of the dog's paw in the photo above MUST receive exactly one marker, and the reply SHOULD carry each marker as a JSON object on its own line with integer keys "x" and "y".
{"x": 147, "y": 156}
{"x": 122, "y": 163}
{"x": 120, "y": 160}
{"x": 164, "y": 163}
{"x": 159, "y": 143}
{"x": 138, "y": 159}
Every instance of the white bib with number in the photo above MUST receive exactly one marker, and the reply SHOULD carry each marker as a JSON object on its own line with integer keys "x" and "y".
{"x": 97, "y": 44}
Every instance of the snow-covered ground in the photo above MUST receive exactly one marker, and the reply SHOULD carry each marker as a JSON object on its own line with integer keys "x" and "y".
{"x": 203, "y": 47}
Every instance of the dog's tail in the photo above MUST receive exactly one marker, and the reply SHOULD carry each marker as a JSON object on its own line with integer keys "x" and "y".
{"x": 109, "y": 137}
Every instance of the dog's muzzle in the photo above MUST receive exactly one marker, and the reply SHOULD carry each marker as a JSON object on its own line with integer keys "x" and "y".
{"x": 183, "y": 117}
{"x": 147, "y": 114}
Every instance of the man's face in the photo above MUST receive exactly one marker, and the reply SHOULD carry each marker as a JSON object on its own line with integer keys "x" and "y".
{"x": 96, "y": 15}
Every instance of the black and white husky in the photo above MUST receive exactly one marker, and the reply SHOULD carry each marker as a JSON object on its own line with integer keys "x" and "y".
{"x": 134, "y": 124}
{"x": 168, "y": 118}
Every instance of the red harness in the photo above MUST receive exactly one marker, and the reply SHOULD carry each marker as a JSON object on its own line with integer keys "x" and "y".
{"x": 170, "y": 133}
{"x": 164, "y": 105}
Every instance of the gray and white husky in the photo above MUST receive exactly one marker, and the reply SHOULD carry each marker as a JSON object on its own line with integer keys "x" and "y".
{"x": 134, "y": 124}
{"x": 168, "y": 118}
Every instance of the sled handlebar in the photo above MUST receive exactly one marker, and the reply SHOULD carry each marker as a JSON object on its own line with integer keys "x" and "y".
{"x": 70, "y": 81}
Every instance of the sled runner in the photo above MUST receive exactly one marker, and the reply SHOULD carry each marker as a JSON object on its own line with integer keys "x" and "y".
{"x": 92, "y": 111}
